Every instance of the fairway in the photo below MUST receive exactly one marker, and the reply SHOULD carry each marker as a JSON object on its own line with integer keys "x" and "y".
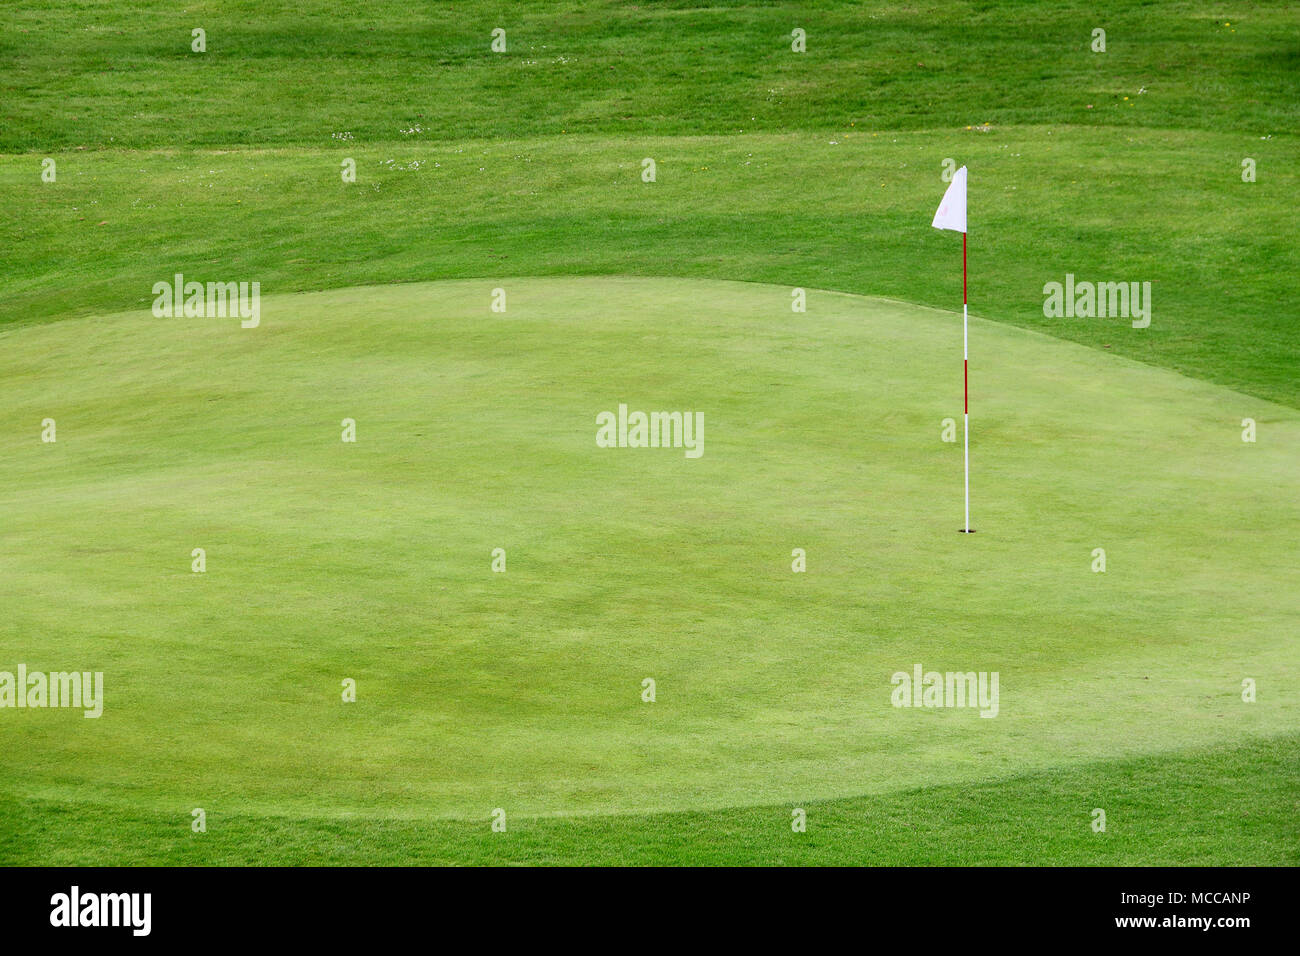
{"x": 475, "y": 430}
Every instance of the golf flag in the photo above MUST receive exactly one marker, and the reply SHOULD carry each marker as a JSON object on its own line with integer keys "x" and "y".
{"x": 952, "y": 211}
{"x": 952, "y": 215}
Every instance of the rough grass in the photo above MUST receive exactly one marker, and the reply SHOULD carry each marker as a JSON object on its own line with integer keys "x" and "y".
{"x": 848, "y": 211}
{"x": 104, "y": 74}
{"x": 1231, "y": 806}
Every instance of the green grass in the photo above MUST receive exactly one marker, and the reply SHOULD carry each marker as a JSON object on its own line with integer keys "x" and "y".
{"x": 371, "y": 561}
{"x": 101, "y": 74}
{"x": 1230, "y": 806}
{"x": 477, "y": 430}
{"x": 792, "y": 209}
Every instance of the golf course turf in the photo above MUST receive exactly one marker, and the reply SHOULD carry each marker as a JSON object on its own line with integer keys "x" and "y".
{"x": 328, "y": 560}
{"x": 515, "y": 180}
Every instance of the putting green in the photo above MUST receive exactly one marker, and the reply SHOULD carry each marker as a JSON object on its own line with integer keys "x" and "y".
{"x": 477, "y": 430}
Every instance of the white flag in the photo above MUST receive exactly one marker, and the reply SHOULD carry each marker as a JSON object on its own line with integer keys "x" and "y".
{"x": 952, "y": 211}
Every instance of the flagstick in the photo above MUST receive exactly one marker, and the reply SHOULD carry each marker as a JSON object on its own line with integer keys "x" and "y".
{"x": 952, "y": 215}
{"x": 965, "y": 375}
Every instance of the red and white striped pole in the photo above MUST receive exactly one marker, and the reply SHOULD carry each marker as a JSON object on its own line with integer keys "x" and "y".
{"x": 965, "y": 368}
{"x": 952, "y": 215}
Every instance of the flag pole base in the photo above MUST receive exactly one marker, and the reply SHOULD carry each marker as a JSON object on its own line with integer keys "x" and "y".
{"x": 965, "y": 530}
